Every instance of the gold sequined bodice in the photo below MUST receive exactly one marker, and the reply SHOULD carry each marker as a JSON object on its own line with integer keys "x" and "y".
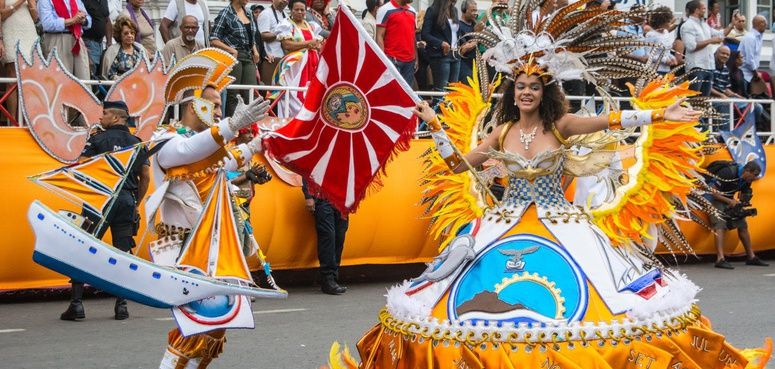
{"x": 537, "y": 180}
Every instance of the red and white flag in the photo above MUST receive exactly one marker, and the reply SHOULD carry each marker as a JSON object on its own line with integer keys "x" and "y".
{"x": 357, "y": 113}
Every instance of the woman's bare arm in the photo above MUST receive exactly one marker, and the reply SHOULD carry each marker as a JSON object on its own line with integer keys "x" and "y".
{"x": 475, "y": 157}
{"x": 571, "y": 124}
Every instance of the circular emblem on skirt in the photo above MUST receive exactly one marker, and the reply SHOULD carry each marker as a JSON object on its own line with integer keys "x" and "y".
{"x": 344, "y": 106}
{"x": 520, "y": 279}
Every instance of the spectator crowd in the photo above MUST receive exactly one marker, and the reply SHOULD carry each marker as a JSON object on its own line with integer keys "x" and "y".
{"x": 103, "y": 39}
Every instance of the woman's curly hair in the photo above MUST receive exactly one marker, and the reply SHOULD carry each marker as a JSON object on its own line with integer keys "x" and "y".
{"x": 661, "y": 17}
{"x": 552, "y": 107}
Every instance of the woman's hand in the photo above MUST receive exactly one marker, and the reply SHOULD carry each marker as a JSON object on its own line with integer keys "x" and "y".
{"x": 424, "y": 111}
{"x": 445, "y": 48}
{"x": 678, "y": 113}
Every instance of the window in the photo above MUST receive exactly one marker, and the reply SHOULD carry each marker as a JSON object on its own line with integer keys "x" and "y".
{"x": 764, "y": 7}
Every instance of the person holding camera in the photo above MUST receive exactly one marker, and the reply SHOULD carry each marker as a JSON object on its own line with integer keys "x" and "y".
{"x": 728, "y": 178}
{"x": 123, "y": 218}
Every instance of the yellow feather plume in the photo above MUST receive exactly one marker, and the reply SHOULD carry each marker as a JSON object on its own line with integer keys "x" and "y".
{"x": 340, "y": 359}
{"x": 757, "y": 358}
{"x": 453, "y": 199}
{"x": 668, "y": 155}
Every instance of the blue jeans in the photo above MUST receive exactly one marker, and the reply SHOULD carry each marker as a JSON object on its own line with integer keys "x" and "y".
{"x": 703, "y": 80}
{"x": 95, "y": 53}
{"x": 406, "y": 69}
{"x": 445, "y": 70}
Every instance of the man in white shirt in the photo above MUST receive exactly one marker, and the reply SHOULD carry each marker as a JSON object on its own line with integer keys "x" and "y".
{"x": 701, "y": 42}
{"x": 170, "y": 23}
{"x": 267, "y": 25}
{"x": 751, "y": 49}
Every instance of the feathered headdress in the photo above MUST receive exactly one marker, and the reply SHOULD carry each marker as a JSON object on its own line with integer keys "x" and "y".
{"x": 571, "y": 43}
{"x": 205, "y": 68}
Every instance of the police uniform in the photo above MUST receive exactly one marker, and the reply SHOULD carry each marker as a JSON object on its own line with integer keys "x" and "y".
{"x": 123, "y": 216}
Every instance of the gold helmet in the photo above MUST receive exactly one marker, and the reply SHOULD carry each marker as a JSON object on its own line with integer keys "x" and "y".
{"x": 205, "y": 68}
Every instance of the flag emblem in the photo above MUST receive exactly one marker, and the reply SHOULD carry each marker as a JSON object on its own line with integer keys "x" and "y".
{"x": 345, "y": 107}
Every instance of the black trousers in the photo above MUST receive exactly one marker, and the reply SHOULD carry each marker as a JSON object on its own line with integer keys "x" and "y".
{"x": 331, "y": 229}
{"x": 121, "y": 221}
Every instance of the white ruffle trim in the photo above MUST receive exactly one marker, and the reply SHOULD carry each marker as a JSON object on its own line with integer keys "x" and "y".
{"x": 682, "y": 292}
{"x": 399, "y": 304}
{"x": 616, "y": 329}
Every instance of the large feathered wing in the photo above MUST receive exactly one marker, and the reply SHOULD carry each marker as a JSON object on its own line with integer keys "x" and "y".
{"x": 667, "y": 158}
{"x": 454, "y": 200}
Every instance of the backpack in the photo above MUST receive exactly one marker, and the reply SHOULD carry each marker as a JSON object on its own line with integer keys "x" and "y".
{"x": 715, "y": 167}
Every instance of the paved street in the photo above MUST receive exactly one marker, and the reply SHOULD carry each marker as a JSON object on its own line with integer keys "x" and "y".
{"x": 297, "y": 333}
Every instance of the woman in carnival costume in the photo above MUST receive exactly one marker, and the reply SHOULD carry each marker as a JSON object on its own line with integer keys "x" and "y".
{"x": 301, "y": 41}
{"x": 532, "y": 281}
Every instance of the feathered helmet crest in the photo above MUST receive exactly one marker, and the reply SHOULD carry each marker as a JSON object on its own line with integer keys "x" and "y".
{"x": 570, "y": 43}
{"x": 205, "y": 68}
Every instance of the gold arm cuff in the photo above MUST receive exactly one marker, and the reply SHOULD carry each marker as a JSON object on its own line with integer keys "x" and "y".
{"x": 658, "y": 115}
{"x": 453, "y": 161}
{"x": 615, "y": 120}
{"x": 434, "y": 124}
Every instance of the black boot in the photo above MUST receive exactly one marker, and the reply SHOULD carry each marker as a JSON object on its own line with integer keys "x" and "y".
{"x": 336, "y": 279}
{"x": 330, "y": 287}
{"x": 75, "y": 310}
{"x": 120, "y": 309}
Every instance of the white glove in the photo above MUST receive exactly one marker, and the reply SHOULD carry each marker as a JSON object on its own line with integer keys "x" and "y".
{"x": 245, "y": 115}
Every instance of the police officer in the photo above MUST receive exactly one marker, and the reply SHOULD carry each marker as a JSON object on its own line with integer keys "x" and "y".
{"x": 123, "y": 217}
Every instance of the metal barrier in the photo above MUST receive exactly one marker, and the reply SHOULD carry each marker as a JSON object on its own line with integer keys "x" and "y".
{"x": 767, "y": 136}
